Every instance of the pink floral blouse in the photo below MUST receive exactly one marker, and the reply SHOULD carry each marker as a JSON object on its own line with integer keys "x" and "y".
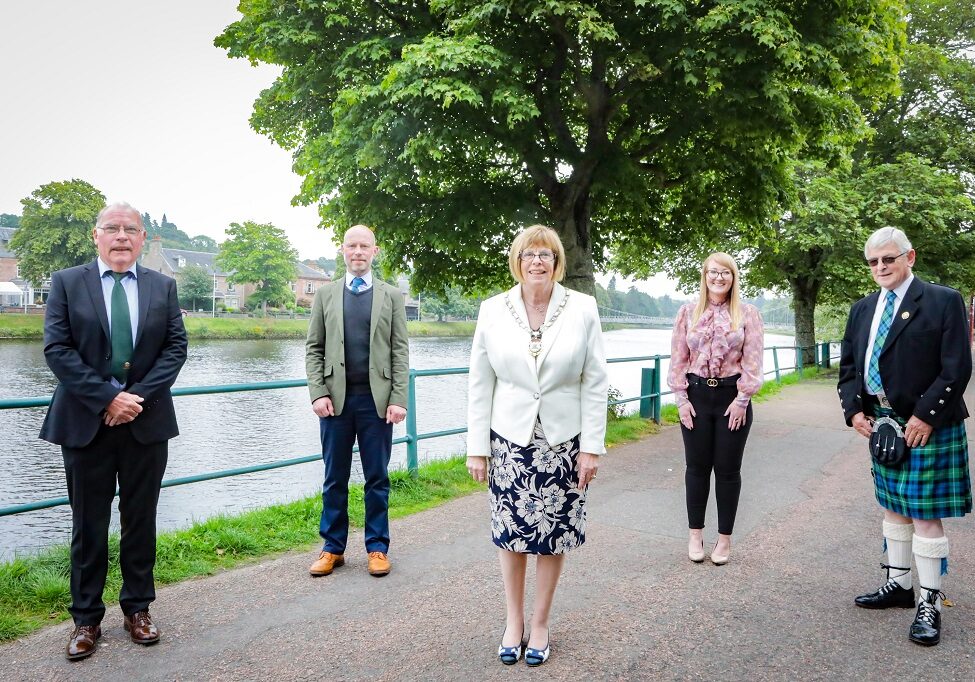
{"x": 712, "y": 349}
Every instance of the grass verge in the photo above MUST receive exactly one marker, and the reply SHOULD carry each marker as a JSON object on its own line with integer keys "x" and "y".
{"x": 20, "y": 326}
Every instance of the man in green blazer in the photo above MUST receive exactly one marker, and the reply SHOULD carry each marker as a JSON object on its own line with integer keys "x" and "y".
{"x": 357, "y": 360}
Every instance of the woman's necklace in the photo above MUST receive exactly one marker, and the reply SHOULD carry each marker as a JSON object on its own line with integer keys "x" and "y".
{"x": 535, "y": 335}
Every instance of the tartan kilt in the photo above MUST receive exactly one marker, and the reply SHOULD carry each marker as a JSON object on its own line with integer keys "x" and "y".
{"x": 934, "y": 481}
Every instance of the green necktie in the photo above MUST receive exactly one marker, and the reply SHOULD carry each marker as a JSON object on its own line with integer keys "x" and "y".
{"x": 121, "y": 329}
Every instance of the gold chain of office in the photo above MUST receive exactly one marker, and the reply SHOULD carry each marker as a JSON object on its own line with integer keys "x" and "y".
{"x": 535, "y": 335}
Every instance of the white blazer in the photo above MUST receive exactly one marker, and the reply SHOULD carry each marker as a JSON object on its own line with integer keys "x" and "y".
{"x": 566, "y": 385}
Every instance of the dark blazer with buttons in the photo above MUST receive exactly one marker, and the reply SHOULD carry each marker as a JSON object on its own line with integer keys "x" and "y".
{"x": 926, "y": 361}
{"x": 78, "y": 349}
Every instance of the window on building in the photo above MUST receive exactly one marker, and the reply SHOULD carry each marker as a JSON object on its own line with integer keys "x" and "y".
{"x": 294, "y": 287}
{"x": 309, "y": 287}
{"x": 231, "y": 286}
{"x": 180, "y": 262}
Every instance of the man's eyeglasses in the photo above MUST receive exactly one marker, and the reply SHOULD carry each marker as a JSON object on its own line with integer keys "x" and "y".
{"x": 886, "y": 260}
{"x": 719, "y": 274}
{"x": 544, "y": 256}
{"x": 129, "y": 230}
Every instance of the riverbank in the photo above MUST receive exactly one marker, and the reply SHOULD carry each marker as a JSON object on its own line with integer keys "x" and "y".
{"x": 34, "y": 590}
{"x": 31, "y": 327}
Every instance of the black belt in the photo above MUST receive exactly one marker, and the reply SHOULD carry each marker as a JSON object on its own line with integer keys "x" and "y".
{"x": 695, "y": 380}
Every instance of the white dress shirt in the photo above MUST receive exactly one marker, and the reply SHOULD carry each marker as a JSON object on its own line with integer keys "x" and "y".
{"x": 899, "y": 293}
{"x": 366, "y": 278}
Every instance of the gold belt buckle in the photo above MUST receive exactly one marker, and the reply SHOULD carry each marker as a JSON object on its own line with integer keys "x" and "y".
{"x": 884, "y": 402}
{"x": 713, "y": 383}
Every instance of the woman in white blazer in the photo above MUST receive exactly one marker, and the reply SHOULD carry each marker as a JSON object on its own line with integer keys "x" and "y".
{"x": 536, "y": 426}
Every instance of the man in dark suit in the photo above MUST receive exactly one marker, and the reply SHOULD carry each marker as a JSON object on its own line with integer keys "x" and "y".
{"x": 114, "y": 338}
{"x": 906, "y": 356}
{"x": 357, "y": 359}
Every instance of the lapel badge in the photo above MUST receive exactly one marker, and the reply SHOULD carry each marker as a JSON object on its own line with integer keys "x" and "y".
{"x": 905, "y": 315}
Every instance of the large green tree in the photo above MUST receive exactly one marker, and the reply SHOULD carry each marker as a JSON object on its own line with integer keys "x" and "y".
{"x": 260, "y": 254}
{"x": 9, "y": 220}
{"x": 55, "y": 228}
{"x": 195, "y": 285}
{"x": 449, "y": 124}
{"x": 913, "y": 169}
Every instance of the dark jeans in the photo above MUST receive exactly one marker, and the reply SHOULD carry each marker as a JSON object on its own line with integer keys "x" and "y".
{"x": 91, "y": 473}
{"x": 712, "y": 446}
{"x": 358, "y": 421}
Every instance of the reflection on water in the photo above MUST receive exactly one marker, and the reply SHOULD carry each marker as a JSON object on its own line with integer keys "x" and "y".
{"x": 231, "y": 430}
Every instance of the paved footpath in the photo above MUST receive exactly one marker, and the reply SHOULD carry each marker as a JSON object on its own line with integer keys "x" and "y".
{"x": 630, "y": 605}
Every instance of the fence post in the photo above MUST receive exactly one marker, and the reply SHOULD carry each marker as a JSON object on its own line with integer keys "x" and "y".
{"x": 646, "y": 388}
{"x": 657, "y": 398}
{"x": 412, "y": 447}
{"x": 775, "y": 361}
{"x": 825, "y": 355}
{"x": 798, "y": 353}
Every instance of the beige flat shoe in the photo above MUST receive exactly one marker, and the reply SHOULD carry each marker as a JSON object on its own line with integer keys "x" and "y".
{"x": 694, "y": 554}
{"x": 717, "y": 559}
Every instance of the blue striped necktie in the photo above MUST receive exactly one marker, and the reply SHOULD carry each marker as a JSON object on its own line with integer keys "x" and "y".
{"x": 357, "y": 282}
{"x": 873, "y": 368}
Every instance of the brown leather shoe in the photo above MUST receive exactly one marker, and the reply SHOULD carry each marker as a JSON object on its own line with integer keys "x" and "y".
{"x": 82, "y": 642}
{"x": 378, "y": 564}
{"x": 327, "y": 562}
{"x": 141, "y": 628}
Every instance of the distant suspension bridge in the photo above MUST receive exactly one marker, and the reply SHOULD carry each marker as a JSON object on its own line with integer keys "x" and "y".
{"x": 607, "y": 315}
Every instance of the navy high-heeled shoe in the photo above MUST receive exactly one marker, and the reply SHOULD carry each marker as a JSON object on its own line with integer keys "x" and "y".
{"x": 509, "y": 655}
{"x": 535, "y": 657}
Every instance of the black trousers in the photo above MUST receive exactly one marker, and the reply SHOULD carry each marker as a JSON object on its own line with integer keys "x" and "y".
{"x": 712, "y": 446}
{"x": 92, "y": 472}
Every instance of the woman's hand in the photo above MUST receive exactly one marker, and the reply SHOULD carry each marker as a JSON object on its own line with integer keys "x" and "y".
{"x": 478, "y": 468}
{"x": 736, "y": 415}
{"x": 687, "y": 415}
{"x": 586, "y": 464}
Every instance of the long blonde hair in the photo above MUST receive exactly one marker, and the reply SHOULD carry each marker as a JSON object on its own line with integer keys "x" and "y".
{"x": 720, "y": 258}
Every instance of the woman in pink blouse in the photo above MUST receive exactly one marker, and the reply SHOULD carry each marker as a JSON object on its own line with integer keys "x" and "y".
{"x": 715, "y": 369}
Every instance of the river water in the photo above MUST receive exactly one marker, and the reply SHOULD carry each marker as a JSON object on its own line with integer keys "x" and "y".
{"x": 224, "y": 431}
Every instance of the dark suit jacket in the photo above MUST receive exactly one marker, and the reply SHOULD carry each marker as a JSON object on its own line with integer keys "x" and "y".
{"x": 926, "y": 361}
{"x": 78, "y": 349}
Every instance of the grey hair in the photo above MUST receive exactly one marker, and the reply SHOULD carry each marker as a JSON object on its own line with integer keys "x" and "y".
{"x": 119, "y": 205}
{"x": 884, "y": 236}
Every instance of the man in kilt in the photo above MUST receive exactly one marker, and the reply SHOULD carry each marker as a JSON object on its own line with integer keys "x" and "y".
{"x": 906, "y": 355}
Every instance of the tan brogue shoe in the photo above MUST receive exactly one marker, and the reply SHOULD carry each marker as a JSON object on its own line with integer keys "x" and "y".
{"x": 82, "y": 642}
{"x": 378, "y": 564}
{"x": 327, "y": 562}
{"x": 140, "y": 627}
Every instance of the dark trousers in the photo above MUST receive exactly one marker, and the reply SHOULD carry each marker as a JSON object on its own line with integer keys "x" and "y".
{"x": 92, "y": 472}
{"x": 712, "y": 446}
{"x": 358, "y": 421}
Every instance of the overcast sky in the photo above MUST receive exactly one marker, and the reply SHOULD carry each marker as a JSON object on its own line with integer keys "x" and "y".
{"x": 134, "y": 98}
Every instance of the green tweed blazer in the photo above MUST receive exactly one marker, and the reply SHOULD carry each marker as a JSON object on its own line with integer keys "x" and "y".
{"x": 389, "y": 354}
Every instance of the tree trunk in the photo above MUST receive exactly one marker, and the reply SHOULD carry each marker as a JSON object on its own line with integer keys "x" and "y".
{"x": 571, "y": 209}
{"x": 805, "y": 292}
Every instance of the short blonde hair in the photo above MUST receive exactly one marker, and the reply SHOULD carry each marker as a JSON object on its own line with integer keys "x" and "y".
{"x": 537, "y": 236}
{"x": 734, "y": 294}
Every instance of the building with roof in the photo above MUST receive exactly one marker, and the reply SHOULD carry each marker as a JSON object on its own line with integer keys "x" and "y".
{"x": 14, "y": 289}
{"x": 172, "y": 261}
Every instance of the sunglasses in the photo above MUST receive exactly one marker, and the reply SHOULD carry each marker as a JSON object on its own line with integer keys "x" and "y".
{"x": 886, "y": 260}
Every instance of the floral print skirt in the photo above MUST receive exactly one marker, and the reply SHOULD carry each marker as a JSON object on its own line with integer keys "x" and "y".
{"x": 536, "y": 507}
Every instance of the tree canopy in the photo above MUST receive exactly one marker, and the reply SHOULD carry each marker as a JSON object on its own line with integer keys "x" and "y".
{"x": 260, "y": 254}
{"x": 450, "y": 124}
{"x": 55, "y": 228}
{"x": 913, "y": 169}
{"x": 9, "y": 220}
{"x": 195, "y": 285}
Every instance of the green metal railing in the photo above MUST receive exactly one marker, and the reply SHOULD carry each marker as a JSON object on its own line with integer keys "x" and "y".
{"x": 650, "y": 403}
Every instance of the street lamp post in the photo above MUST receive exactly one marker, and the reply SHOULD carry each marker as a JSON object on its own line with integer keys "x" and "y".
{"x": 213, "y": 307}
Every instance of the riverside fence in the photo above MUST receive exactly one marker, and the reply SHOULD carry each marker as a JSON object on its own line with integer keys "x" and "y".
{"x": 650, "y": 400}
